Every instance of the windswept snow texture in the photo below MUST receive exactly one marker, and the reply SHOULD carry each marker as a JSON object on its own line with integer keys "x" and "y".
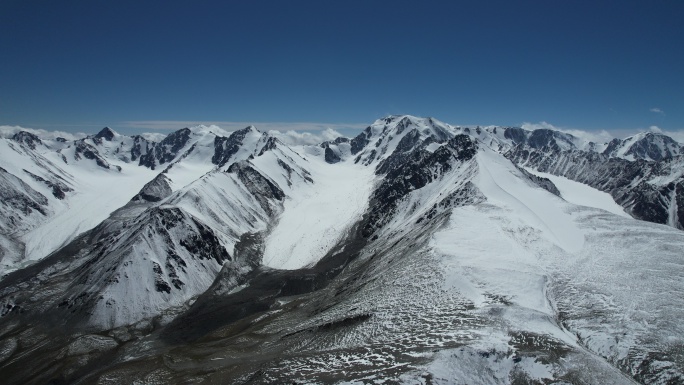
{"x": 502, "y": 183}
{"x": 316, "y": 216}
{"x": 583, "y": 195}
{"x": 615, "y": 295}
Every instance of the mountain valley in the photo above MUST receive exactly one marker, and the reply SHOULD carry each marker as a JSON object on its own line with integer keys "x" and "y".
{"x": 415, "y": 252}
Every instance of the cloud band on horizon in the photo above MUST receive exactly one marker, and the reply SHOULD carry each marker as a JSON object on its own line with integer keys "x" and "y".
{"x": 231, "y": 126}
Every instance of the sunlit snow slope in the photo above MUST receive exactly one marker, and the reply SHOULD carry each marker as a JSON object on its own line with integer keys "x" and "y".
{"x": 503, "y": 184}
{"x": 316, "y": 216}
{"x": 583, "y": 195}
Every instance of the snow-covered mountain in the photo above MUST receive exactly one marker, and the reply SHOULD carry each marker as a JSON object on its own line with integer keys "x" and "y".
{"x": 415, "y": 252}
{"x": 647, "y": 145}
{"x": 71, "y": 186}
{"x": 647, "y": 189}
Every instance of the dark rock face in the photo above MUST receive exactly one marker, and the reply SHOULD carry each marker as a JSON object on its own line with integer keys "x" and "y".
{"x": 360, "y": 141}
{"x": 17, "y": 196}
{"x": 402, "y": 152}
{"x": 543, "y": 139}
{"x": 548, "y": 139}
{"x": 106, "y": 134}
{"x": 402, "y": 125}
{"x": 369, "y": 158}
{"x": 409, "y": 141}
{"x": 198, "y": 239}
{"x": 678, "y": 191}
{"x": 613, "y": 145}
{"x": 58, "y": 188}
{"x": 225, "y": 148}
{"x": 544, "y": 183}
{"x": 140, "y": 147}
{"x": 27, "y": 138}
{"x": 262, "y": 188}
{"x": 159, "y": 283}
{"x": 166, "y": 150}
{"x": 516, "y": 134}
{"x": 406, "y": 172}
{"x": 330, "y": 156}
{"x": 89, "y": 152}
{"x": 271, "y": 144}
{"x": 155, "y": 190}
{"x": 204, "y": 244}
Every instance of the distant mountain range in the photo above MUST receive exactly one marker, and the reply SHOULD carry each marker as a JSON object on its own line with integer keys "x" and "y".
{"x": 415, "y": 252}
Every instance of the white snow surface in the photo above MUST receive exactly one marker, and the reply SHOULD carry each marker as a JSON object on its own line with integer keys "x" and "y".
{"x": 505, "y": 185}
{"x": 549, "y": 257}
{"x": 317, "y": 215}
{"x": 187, "y": 169}
{"x": 98, "y": 194}
{"x": 582, "y": 194}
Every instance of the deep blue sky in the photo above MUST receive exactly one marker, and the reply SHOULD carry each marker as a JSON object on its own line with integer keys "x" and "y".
{"x": 575, "y": 64}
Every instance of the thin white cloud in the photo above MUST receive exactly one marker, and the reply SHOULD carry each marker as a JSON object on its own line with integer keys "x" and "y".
{"x": 9, "y": 131}
{"x": 657, "y": 110}
{"x": 601, "y": 136}
{"x": 232, "y": 126}
{"x": 538, "y": 126}
{"x": 676, "y": 135}
{"x": 153, "y": 136}
{"x": 302, "y": 138}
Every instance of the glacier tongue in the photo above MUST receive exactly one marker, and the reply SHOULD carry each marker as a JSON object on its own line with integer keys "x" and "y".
{"x": 316, "y": 216}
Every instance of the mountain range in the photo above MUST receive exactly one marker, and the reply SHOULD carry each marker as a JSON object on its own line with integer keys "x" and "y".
{"x": 415, "y": 252}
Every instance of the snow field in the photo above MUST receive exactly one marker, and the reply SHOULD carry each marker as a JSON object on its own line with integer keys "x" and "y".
{"x": 317, "y": 215}
{"x": 504, "y": 185}
{"x": 581, "y": 194}
{"x": 97, "y": 195}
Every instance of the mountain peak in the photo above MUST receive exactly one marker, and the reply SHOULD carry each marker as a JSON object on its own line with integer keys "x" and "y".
{"x": 250, "y": 128}
{"x": 106, "y": 134}
{"x": 28, "y": 138}
{"x": 396, "y": 119}
{"x": 202, "y": 129}
{"x": 645, "y": 145}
